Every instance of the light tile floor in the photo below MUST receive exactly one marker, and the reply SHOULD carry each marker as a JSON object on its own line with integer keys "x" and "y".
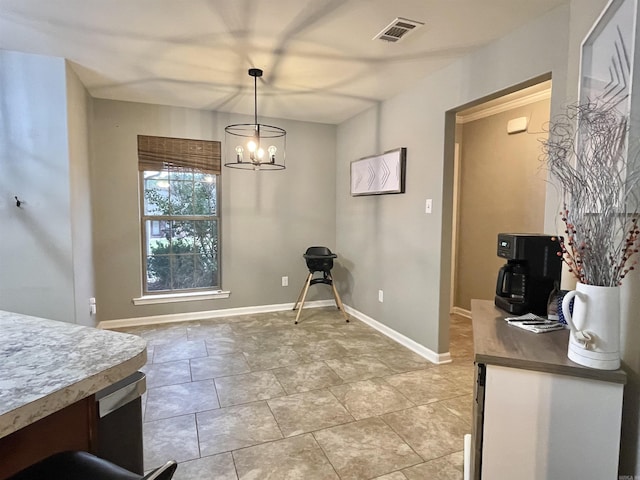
{"x": 257, "y": 397}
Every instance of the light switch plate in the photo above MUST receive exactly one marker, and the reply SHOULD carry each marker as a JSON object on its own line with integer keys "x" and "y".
{"x": 428, "y": 204}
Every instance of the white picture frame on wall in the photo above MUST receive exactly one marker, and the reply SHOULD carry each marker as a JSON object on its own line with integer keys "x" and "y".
{"x": 607, "y": 57}
{"x": 608, "y": 66}
{"x": 379, "y": 174}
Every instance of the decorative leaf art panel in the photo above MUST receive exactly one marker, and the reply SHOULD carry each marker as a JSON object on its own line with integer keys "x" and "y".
{"x": 379, "y": 174}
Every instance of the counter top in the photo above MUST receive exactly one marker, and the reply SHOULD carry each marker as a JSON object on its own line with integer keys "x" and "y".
{"x": 498, "y": 343}
{"x": 46, "y": 365}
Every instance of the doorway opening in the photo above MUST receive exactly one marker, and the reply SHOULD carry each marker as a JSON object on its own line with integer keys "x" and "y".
{"x": 495, "y": 182}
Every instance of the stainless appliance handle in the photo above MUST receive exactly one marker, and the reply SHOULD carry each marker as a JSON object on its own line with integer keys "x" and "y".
{"x": 134, "y": 387}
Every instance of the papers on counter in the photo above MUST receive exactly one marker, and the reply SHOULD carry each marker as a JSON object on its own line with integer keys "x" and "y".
{"x": 534, "y": 323}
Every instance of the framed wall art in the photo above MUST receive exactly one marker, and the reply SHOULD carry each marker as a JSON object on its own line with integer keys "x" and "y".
{"x": 608, "y": 65}
{"x": 607, "y": 57}
{"x": 379, "y": 174}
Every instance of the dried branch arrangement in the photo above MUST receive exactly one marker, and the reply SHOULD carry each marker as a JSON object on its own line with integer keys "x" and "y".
{"x": 591, "y": 158}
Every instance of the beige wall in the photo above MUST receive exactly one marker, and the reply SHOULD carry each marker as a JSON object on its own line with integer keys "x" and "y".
{"x": 268, "y": 218}
{"x": 502, "y": 189}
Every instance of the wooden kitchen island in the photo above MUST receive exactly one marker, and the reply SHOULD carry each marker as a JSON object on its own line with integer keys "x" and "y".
{"x": 50, "y": 373}
{"x": 538, "y": 415}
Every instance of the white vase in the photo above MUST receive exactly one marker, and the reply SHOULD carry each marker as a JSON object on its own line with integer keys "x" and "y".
{"x": 594, "y": 340}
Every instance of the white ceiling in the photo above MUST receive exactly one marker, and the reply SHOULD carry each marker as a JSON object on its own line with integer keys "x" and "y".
{"x": 319, "y": 59}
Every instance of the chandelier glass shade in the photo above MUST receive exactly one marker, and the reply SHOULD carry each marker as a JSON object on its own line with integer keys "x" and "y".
{"x": 255, "y": 146}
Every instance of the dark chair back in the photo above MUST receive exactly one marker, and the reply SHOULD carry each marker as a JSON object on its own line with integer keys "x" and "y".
{"x": 319, "y": 259}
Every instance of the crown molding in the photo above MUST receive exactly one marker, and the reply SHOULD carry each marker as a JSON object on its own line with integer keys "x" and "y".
{"x": 503, "y": 107}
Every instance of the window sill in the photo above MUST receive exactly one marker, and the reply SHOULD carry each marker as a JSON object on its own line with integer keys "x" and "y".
{"x": 181, "y": 297}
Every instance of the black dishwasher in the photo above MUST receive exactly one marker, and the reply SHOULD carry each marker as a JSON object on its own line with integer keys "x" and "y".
{"x": 119, "y": 409}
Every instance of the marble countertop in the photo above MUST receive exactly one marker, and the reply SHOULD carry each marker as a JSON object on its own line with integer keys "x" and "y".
{"x": 46, "y": 365}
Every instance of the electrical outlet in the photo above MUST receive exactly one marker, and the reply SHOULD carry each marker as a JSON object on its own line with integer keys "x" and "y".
{"x": 92, "y": 306}
{"x": 380, "y": 296}
{"x": 285, "y": 281}
{"x": 428, "y": 205}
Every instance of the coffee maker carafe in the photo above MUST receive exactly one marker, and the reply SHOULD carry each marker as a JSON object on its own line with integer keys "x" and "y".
{"x": 533, "y": 267}
{"x": 512, "y": 280}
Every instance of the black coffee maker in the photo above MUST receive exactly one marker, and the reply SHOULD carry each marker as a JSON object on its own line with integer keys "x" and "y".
{"x": 533, "y": 267}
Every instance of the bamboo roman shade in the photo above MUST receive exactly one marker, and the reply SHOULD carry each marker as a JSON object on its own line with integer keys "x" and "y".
{"x": 159, "y": 153}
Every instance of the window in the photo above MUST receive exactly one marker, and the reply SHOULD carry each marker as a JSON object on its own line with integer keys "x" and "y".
{"x": 180, "y": 222}
{"x": 158, "y": 228}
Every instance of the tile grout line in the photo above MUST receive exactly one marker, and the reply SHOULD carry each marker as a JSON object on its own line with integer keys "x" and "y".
{"x": 195, "y": 417}
{"x": 404, "y": 440}
{"x": 303, "y": 360}
{"x": 275, "y": 419}
{"x": 324, "y": 452}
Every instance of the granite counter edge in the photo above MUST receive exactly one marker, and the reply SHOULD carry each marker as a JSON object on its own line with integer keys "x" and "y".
{"x": 29, "y": 413}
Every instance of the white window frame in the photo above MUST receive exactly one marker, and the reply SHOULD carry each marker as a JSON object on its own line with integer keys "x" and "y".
{"x": 177, "y": 295}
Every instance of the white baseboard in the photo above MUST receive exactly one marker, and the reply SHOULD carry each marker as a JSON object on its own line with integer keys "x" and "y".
{"x": 191, "y": 316}
{"x": 433, "y": 357}
{"x": 466, "y": 458}
{"x": 461, "y": 311}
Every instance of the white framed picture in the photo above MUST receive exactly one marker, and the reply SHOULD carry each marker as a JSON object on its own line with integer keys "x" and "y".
{"x": 607, "y": 69}
{"x": 606, "y": 65}
{"x": 379, "y": 174}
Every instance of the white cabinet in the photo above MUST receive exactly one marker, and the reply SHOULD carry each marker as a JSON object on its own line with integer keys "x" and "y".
{"x": 541, "y": 426}
{"x": 538, "y": 415}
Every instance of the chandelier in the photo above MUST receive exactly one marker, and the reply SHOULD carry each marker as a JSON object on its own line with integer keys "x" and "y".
{"x": 255, "y": 146}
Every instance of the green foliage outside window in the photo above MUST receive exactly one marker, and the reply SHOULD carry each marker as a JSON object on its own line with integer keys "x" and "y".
{"x": 185, "y": 256}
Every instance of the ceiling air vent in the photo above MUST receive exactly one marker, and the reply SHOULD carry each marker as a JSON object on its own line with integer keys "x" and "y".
{"x": 398, "y": 29}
